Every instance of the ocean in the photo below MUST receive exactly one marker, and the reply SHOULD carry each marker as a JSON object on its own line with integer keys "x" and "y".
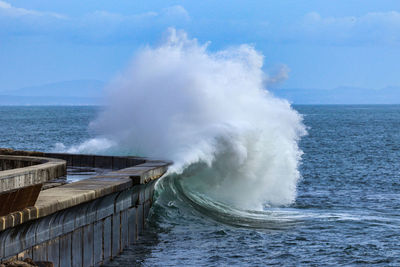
{"x": 346, "y": 209}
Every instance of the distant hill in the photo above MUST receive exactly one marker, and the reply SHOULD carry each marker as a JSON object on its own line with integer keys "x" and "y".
{"x": 6, "y": 100}
{"x": 340, "y": 95}
{"x": 77, "y": 92}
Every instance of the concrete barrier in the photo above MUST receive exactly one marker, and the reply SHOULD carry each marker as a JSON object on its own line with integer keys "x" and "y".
{"x": 22, "y": 177}
{"x": 85, "y": 223}
{"x": 88, "y": 234}
{"x": 21, "y": 171}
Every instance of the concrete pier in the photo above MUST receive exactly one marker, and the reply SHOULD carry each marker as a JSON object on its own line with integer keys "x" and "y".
{"x": 20, "y": 171}
{"x": 85, "y": 223}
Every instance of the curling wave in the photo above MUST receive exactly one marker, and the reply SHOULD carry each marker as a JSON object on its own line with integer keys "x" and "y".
{"x": 234, "y": 145}
{"x": 177, "y": 200}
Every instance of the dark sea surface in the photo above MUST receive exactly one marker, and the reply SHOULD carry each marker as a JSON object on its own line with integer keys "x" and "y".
{"x": 347, "y": 211}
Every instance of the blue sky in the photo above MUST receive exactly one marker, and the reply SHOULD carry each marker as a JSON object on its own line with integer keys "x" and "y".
{"x": 325, "y": 44}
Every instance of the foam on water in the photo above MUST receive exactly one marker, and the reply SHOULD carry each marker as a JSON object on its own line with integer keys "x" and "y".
{"x": 211, "y": 114}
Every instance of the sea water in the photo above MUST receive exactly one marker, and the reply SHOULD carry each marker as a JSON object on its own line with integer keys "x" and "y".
{"x": 346, "y": 212}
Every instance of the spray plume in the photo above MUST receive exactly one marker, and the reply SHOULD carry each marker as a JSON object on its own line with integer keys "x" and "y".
{"x": 210, "y": 113}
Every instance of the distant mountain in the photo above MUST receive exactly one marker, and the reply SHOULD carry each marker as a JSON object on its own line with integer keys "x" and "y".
{"x": 340, "y": 95}
{"x": 77, "y": 92}
{"x": 7, "y": 100}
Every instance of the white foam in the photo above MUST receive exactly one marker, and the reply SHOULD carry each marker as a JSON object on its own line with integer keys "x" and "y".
{"x": 182, "y": 102}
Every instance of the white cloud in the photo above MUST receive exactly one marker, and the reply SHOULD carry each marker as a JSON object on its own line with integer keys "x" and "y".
{"x": 6, "y": 9}
{"x": 176, "y": 11}
{"x": 375, "y": 27}
{"x": 103, "y": 25}
{"x": 99, "y": 26}
{"x": 390, "y": 19}
{"x": 116, "y": 17}
{"x": 172, "y": 13}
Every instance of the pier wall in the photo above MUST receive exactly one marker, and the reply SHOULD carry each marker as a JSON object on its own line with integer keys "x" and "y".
{"x": 20, "y": 171}
{"x": 88, "y": 234}
{"x": 9, "y": 163}
{"x": 84, "y": 223}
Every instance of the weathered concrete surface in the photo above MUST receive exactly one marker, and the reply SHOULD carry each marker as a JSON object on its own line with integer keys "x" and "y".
{"x": 88, "y": 234}
{"x": 34, "y": 170}
{"x": 9, "y": 151}
{"x": 88, "y": 222}
{"x": 18, "y": 199}
{"x": 96, "y": 161}
{"x": 9, "y": 163}
{"x": 21, "y": 179}
{"x": 69, "y": 195}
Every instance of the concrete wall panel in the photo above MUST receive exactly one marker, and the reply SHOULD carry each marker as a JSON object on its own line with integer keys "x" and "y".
{"x": 39, "y": 252}
{"x": 69, "y": 221}
{"x": 98, "y": 242}
{"x": 13, "y": 243}
{"x": 132, "y": 225}
{"x": 56, "y": 225}
{"x": 124, "y": 229}
{"x": 66, "y": 250}
{"x": 77, "y": 248}
{"x": 116, "y": 234}
{"x": 140, "y": 219}
{"x": 43, "y": 229}
{"x": 120, "y": 163}
{"x": 88, "y": 250}
{"x": 107, "y": 238}
{"x": 105, "y": 207}
{"x": 53, "y": 251}
{"x": 146, "y": 209}
{"x": 103, "y": 162}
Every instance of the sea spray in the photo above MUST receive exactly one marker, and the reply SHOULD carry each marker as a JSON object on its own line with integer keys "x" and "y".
{"x": 209, "y": 112}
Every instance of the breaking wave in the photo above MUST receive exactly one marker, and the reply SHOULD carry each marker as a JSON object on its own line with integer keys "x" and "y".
{"x": 232, "y": 142}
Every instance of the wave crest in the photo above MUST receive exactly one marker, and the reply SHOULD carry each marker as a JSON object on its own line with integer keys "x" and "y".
{"x": 210, "y": 113}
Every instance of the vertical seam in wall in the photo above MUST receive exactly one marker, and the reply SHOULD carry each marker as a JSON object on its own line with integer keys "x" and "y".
{"x": 112, "y": 235}
{"x": 143, "y": 212}
{"x": 94, "y": 223}
{"x": 136, "y": 224}
{"x": 72, "y": 241}
{"x": 82, "y": 244}
{"x": 112, "y": 225}
{"x": 121, "y": 246}
{"x": 59, "y": 250}
{"x": 102, "y": 241}
{"x": 47, "y": 244}
{"x": 35, "y": 239}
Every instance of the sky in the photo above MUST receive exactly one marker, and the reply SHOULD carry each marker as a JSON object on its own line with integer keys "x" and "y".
{"x": 322, "y": 44}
